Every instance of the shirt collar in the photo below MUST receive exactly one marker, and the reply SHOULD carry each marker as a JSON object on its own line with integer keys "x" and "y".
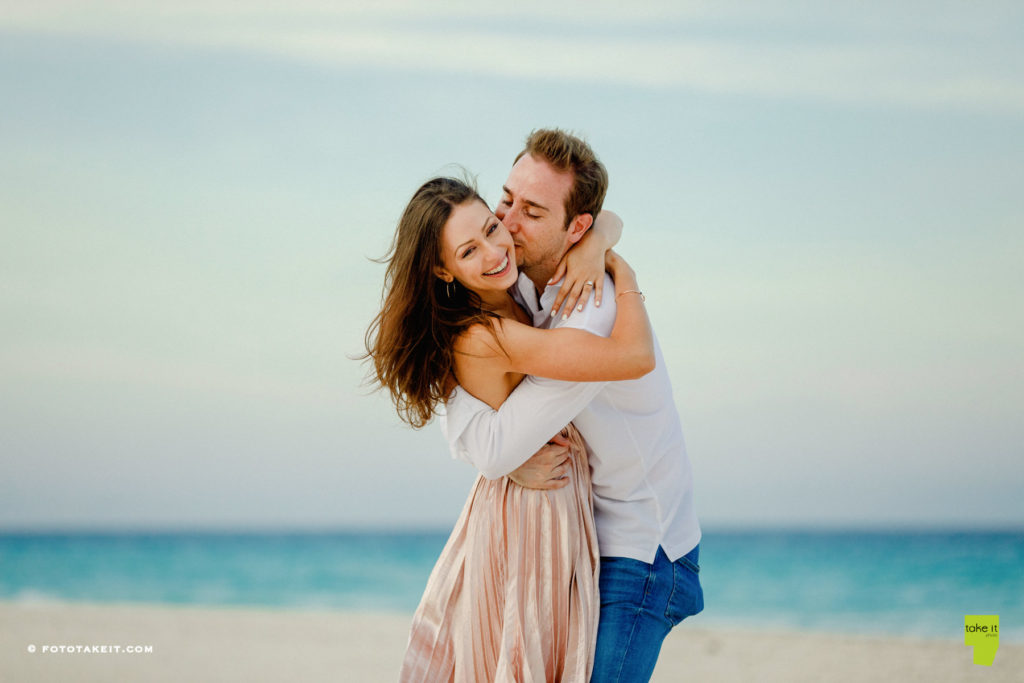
{"x": 526, "y": 293}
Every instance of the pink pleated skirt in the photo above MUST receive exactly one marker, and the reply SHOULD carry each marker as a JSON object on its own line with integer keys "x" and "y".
{"x": 514, "y": 595}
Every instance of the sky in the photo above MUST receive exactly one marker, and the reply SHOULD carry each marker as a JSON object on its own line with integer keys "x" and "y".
{"x": 823, "y": 205}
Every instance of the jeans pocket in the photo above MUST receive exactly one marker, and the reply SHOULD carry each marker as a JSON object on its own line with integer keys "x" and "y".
{"x": 686, "y": 562}
{"x": 623, "y": 581}
{"x": 687, "y": 596}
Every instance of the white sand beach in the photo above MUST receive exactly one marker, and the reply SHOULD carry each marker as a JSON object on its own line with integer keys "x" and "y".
{"x": 251, "y": 645}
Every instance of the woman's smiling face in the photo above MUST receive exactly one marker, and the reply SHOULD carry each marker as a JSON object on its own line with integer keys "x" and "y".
{"x": 477, "y": 250}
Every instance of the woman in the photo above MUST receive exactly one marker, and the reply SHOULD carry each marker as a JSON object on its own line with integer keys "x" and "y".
{"x": 514, "y": 593}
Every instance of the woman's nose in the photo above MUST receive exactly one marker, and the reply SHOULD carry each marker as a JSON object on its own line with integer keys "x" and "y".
{"x": 495, "y": 250}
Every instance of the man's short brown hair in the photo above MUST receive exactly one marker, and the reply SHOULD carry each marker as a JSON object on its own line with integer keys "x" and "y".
{"x": 566, "y": 152}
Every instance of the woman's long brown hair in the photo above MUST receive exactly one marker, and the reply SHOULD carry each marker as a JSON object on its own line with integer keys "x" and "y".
{"x": 411, "y": 341}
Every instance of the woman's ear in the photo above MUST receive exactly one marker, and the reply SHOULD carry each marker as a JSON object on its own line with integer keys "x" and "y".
{"x": 443, "y": 274}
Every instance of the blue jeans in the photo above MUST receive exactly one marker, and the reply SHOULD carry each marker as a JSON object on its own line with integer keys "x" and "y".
{"x": 640, "y": 603}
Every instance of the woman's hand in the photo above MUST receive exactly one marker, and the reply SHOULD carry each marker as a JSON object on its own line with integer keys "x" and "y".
{"x": 583, "y": 266}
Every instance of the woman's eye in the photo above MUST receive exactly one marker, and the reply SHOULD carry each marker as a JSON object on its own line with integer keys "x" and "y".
{"x": 469, "y": 251}
{"x": 492, "y": 228}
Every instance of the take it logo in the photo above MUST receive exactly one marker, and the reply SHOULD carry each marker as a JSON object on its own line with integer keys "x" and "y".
{"x": 981, "y": 631}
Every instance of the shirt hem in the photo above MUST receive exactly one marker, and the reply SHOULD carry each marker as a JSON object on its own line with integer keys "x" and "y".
{"x": 647, "y": 555}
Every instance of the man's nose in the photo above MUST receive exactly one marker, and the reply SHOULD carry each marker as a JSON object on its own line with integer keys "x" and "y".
{"x": 511, "y": 220}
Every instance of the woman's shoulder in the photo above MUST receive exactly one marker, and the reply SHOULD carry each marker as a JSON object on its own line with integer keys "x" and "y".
{"x": 482, "y": 367}
{"x": 481, "y": 339}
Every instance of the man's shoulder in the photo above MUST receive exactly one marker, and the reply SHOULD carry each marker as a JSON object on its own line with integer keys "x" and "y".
{"x": 596, "y": 319}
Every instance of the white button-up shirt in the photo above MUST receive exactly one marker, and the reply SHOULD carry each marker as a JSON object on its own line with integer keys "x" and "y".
{"x": 641, "y": 475}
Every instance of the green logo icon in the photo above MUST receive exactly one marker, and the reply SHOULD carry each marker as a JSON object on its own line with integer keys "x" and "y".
{"x": 981, "y": 631}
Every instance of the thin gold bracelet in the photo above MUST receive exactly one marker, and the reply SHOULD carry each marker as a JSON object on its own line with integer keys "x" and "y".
{"x": 632, "y": 291}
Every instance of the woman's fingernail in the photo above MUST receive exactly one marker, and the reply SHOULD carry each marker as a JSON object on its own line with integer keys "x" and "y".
{"x": 580, "y": 307}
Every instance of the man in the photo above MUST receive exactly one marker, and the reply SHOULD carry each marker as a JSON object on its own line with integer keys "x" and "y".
{"x": 647, "y": 529}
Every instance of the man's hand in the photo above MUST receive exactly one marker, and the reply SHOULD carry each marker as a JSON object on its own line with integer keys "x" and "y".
{"x": 547, "y": 468}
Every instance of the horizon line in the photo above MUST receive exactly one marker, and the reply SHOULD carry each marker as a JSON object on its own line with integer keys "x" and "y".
{"x": 406, "y": 529}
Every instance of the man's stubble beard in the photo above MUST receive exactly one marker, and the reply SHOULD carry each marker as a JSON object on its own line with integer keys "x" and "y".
{"x": 541, "y": 269}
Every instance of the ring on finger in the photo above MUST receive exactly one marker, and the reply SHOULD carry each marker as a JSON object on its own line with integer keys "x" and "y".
{"x": 588, "y": 283}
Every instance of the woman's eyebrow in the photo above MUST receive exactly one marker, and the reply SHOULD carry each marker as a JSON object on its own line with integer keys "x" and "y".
{"x": 483, "y": 228}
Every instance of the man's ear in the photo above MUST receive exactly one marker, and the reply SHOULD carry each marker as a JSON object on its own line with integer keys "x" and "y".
{"x": 443, "y": 274}
{"x": 579, "y": 226}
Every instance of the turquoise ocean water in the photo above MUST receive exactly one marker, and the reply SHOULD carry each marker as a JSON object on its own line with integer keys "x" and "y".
{"x": 908, "y": 583}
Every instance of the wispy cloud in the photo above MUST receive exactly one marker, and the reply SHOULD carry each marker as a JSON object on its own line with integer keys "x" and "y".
{"x": 777, "y": 50}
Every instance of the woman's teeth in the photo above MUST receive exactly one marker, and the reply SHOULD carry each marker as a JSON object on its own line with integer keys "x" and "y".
{"x": 501, "y": 267}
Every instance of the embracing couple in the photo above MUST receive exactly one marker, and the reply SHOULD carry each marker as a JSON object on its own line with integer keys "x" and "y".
{"x": 577, "y": 550}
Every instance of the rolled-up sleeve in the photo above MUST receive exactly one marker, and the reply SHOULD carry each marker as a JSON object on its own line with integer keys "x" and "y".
{"x": 497, "y": 442}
